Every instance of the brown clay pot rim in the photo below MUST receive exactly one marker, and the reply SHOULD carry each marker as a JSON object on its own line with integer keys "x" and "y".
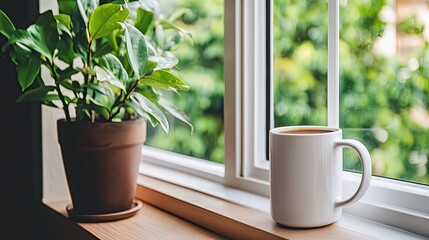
{"x": 82, "y": 133}
{"x": 73, "y": 121}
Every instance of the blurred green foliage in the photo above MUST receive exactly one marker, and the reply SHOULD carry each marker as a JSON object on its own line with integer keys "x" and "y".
{"x": 201, "y": 62}
{"x": 383, "y": 100}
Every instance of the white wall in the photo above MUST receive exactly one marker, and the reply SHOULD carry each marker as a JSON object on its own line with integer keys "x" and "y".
{"x": 54, "y": 180}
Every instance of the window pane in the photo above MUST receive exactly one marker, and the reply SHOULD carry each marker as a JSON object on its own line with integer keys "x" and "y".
{"x": 202, "y": 65}
{"x": 385, "y": 85}
{"x": 300, "y": 62}
{"x": 384, "y": 78}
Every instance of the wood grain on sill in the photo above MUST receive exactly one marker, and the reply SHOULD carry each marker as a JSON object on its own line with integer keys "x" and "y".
{"x": 197, "y": 212}
{"x": 228, "y": 219}
{"x": 149, "y": 223}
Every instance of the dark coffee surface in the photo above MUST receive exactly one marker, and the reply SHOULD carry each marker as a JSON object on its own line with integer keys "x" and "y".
{"x": 306, "y": 131}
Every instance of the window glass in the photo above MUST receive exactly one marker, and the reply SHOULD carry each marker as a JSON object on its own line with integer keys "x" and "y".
{"x": 300, "y": 62}
{"x": 384, "y": 78}
{"x": 384, "y": 85}
{"x": 201, "y": 63}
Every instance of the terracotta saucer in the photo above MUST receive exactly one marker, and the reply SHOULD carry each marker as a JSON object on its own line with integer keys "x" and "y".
{"x": 106, "y": 217}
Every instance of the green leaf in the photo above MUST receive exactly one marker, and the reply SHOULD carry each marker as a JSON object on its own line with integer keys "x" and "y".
{"x": 159, "y": 36}
{"x": 65, "y": 19}
{"x": 66, "y": 73}
{"x": 150, "y": 108}
{"x": 42, "y": 37}
{"x": 71, "y": 8}
{"x": 176, "y": 113}
{"x": 53, "y": 97}
{"x": 149, "y": 5}
{"x": 19, "y": 52}
{"x": 35, "y": 95}
{"x": 65, "y": 49}
{"x": 106, "y": 101}
{"x": 20, "y": 37}
{"x": 6, "y": 26}
{"x": 107, "y": 98}
{"x": 67, "y": 6}
{"x": 111, "y": 39}
{"x": 86, "y": 7}
{"x": 97, "y": 88}
{"x": 118, "y": 1}
{"x": 99, "y": 108}
{"x": 151, "y": 49}
{"x": 165, "y": 62}
{"x": 71, "y": 85}
{"x": 143, "y": 20}
{"x": 150, "y": 66}
{"x": 130, "y": 83}
{"x": 105, "y": 19}
{"x": 80, "y": 43}
{"x": 49, "y": 99}
{"x": 28, "y": 69}
{"x": 103, "y": 94}
{"x": 119, "y": 116}
{"x": 148, "y": 92}
{"x": 173, "y": 41}
{"x": 49, "y": 35}
{"x": 179, "y": 13}
{"x": 169, "y": 25}
{"x": 103, "y": 50}
{"x": 136, "y": 49}
{"x": 114, "y": 65}
{"x": 64, "y": 23}
{"x": 164, "y": 79}
{"x": 112, "y": 71}
{"x": 106, "y": 45}
{"x": 133, "y": 107}
{"x": 68, "y": 99}
{"x": 100, "y": 88}
{"x": 104, "y": 74}
{"x": 82, "y": 110}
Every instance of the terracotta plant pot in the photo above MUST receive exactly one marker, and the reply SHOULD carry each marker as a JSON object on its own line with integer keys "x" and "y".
{"x": 101, "y": 162}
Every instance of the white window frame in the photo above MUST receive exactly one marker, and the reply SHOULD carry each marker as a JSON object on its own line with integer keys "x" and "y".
{"x": 396, "y": 203}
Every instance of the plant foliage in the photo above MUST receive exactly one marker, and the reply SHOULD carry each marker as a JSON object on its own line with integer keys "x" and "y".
{"x": 103, "y": 57}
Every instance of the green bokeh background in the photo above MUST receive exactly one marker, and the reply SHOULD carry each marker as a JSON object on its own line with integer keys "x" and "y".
{"x": 380, "y": 96}
{"x": 201, "y": 62}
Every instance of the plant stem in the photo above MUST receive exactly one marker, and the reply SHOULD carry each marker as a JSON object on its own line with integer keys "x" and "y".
{"x": 127, "y": 96}
{"x": 63, "y": 101}
{"x": 87, "y": 66}
{"x": 87, "y": 77}
{"x": 60, "y": 94}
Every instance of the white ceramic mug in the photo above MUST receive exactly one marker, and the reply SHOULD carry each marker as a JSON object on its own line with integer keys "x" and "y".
{"x": 306, "y": 175}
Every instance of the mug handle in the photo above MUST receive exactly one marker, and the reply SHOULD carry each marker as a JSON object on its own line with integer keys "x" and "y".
{"x": 365, "y": 160}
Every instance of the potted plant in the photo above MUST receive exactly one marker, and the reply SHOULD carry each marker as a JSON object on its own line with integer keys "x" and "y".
{"x": 109, "y": 65}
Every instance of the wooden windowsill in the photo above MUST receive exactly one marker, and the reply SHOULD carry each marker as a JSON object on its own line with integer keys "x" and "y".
{"x": 216, "y": 215}
{"x": 149, "y": 223}
{"x": 228, "y": 219}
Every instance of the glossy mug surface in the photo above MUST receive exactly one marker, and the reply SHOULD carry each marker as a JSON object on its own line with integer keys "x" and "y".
{"x": 306, "y": 175}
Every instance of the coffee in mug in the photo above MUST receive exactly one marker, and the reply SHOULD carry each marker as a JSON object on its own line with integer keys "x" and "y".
{"x": 306, "y": 131}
